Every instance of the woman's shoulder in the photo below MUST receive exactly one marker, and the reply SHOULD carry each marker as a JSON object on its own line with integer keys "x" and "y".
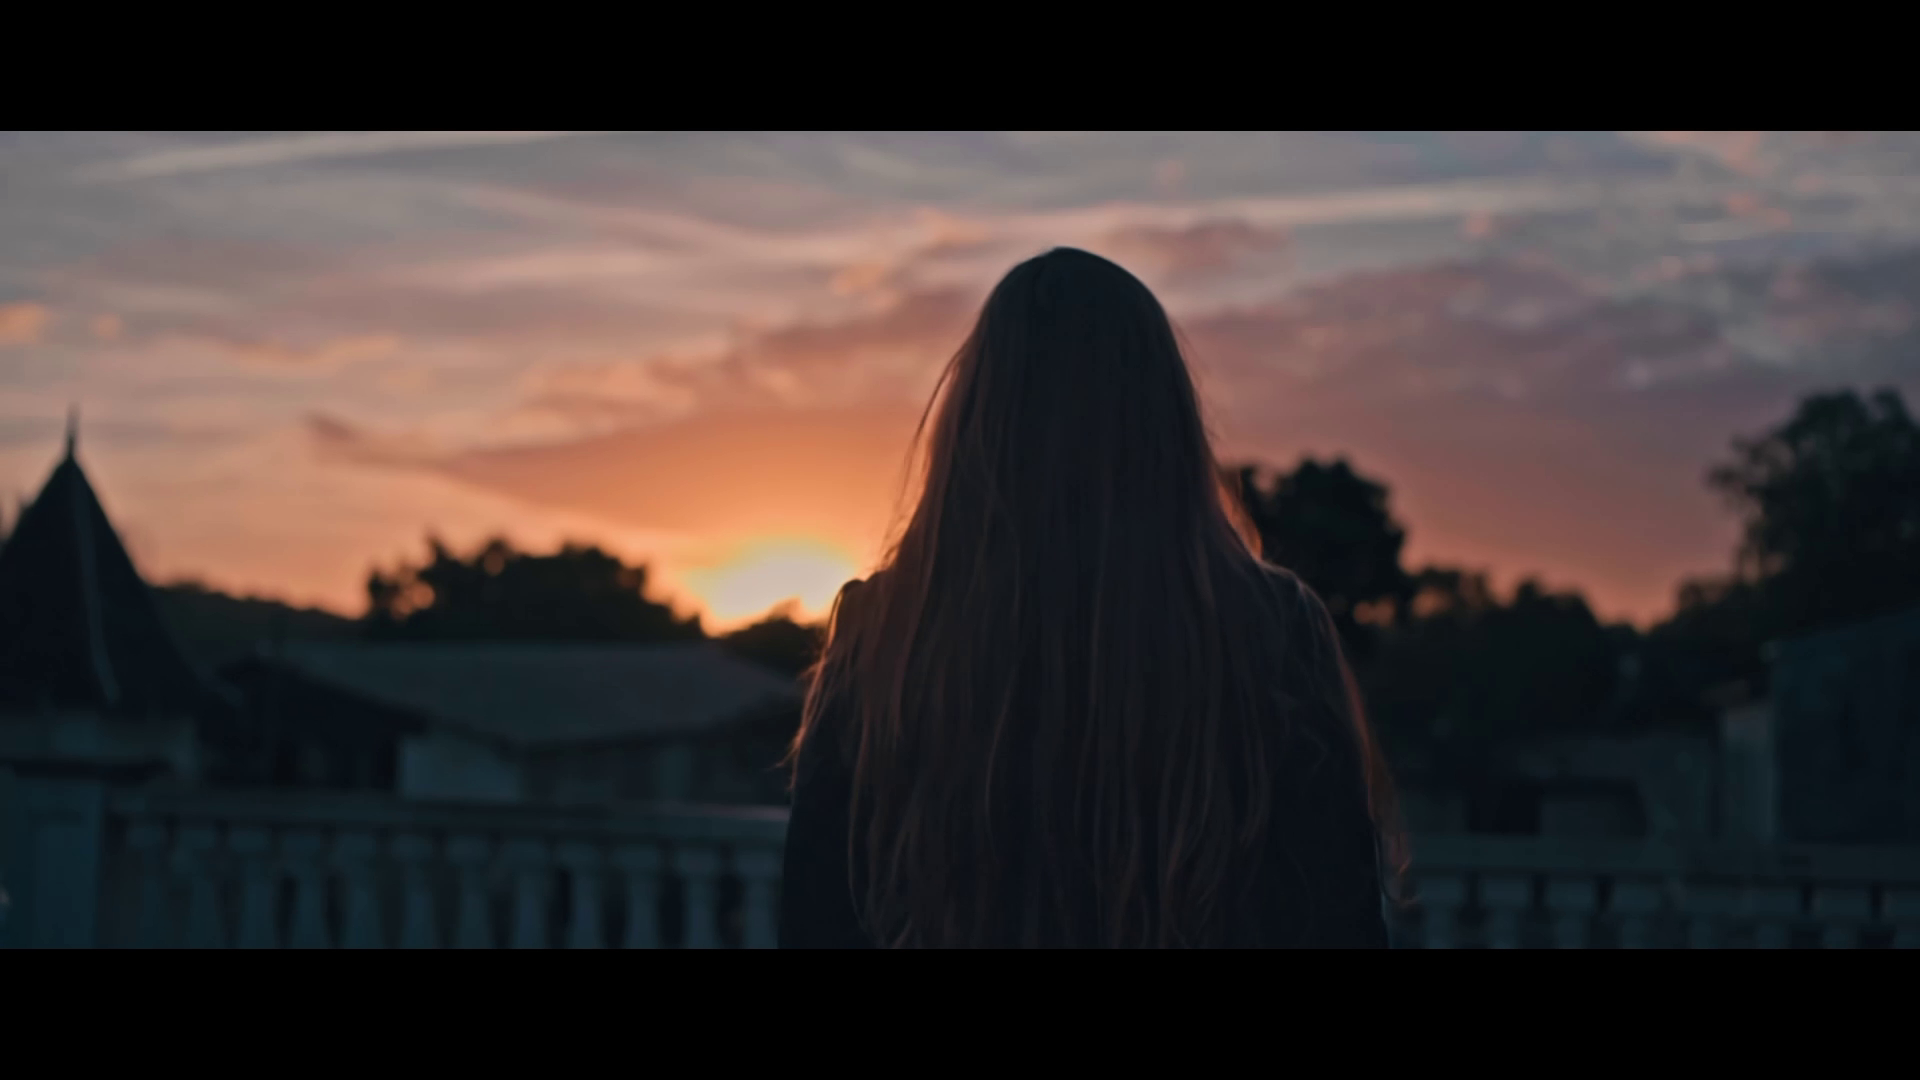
{"x": 1293, "y": 599}
{"x": 832, "y": 694}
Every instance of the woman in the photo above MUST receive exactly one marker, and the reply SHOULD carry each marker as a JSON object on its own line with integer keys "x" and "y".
{"x": 1073, "y": 707}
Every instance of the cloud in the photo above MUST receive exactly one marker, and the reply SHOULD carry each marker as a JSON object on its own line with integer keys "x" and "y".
{"x": 290, "y": 149}
{"x": 1741, "y": 151}
{"x": 913, "y": 326}
{"x": 728, "y": 473}
{"x": 326, "y": 356}
{"x": 934, "y": 238}
{"x": 887, "y": 351}
{"x": 1169, "y": 175}
{"x": 591, "y": 294}
{"x": 21, "y": 324}
{"x": 338, "y": 440}
{"x": 1525, "y": 419}
{"x": 107, "y": 327}
{"x": 1479, "y": 225}
{"x": 1498, "y": 327}
{"x": 44, "y": 433}
{"x": 1203, "y": 248}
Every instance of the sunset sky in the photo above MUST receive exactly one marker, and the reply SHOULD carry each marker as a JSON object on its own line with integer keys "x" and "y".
{"x": 297, "y": 353}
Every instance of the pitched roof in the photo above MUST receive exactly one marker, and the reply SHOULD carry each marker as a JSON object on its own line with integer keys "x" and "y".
{"x": 78, "y": 628}
{"x": 543, "y": 694}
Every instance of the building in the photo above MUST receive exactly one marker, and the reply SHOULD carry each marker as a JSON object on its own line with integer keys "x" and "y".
{"x": 1828, "y": 754}
{"x": 89, "y": 670}
{"x": 517, "y": 722}
{"x": 1569, "y": 788}
{"x": 1749, "y": 799}
{"x": 1844, "y": 734}
{"x": 1647, "y": 785}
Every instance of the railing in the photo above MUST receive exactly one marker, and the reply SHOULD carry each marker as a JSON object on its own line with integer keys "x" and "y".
{"x": 202, "y": 869}
{"x": 92, "y": 864}
{"x": 1533, "y": 892}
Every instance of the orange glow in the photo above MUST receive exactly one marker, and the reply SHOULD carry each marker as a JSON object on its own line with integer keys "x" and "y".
{"x": 769, "y": 574}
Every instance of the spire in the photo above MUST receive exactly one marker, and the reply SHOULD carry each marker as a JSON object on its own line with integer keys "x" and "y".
{"x": 73, "y": 429}
{"x": 79, "y": 629}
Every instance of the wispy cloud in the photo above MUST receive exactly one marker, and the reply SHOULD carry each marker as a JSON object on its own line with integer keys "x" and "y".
{"x": 286, "y": 150}
{"x": 1203, "y": 248}
{"x": 614, "y": 325}
{"x": 324, "y": 356}
{"x": 339, "y": 440}
{"x": 21, "y": 324}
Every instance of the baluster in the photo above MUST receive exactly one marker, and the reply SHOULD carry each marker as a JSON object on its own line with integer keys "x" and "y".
{"x": 1708, "y": 909}
{"x": 303, "y": 850}
{"x": 1572, "y": 902}
{"x": 195, "y": 860}
{"x": 641, "y": 865}
{"x": 148, "y": 840}
{"x": 354, "y": 854}
{"x": 759, "y": 869}
{"x": 699, "y": 867}
{"x": 259, "y": 888}
{"x": 1505, "y": 898}
{"x": 1773, "y": 909}
{"x": 528, "y": 860}
{"x": 1635, "y": 903}
{"x": 1901, "y": 909}
{"x": 419, "y": 921}
{"x": 471, "y": 855}
{"x": 1441, "y": 896}
{"x": 1843, "y": 913}
{"x": 583, "y": 864}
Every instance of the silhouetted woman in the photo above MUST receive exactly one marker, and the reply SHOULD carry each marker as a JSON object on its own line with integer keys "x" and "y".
{"x": 1074, "y": 707}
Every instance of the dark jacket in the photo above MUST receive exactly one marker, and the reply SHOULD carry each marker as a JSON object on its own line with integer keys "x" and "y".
{"x": 1319, "y": 888}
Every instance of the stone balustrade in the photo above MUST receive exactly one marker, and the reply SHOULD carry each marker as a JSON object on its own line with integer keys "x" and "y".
{"x": 89, "y": 862}
{"x": 1537, "y": 892}
{"x": 205, "y": 869}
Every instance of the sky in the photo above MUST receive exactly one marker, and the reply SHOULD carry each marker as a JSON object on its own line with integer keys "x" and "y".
{"x": 297, "y": 354}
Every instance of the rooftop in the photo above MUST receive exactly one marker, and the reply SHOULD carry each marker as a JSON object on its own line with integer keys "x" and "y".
{"x": 545, "y": 693}
{"x": 79, "y": 629}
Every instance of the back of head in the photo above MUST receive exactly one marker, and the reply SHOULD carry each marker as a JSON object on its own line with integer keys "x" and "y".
{"x": 1058, "y": 691}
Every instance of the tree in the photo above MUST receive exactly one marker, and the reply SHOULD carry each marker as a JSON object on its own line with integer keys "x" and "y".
{"x": 1332, "y": 526}
{"x": 1829, "y": 503}
{"x": 1830, "y": 508}
{"x": 779, "y": 641}
{"x": 1711, "y": 645}
{"x": 1464, "y": 669}
{"x": 578, "y": 593}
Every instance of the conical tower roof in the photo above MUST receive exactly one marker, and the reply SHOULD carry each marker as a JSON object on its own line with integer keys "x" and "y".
{"x": 79, "y": 629}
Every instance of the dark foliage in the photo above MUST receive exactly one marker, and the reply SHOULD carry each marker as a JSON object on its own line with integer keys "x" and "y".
{"x": 1464, "y": 667}
{"x": 778, "y": 641}
{"x": 579, "y": 593}
{"x": 1830, "y": 508}
{"x": 1332, "y": 526}
{"x": 1830, "y": 511}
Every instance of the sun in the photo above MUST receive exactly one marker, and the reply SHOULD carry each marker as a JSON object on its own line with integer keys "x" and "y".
{"x": 768, "y": 574}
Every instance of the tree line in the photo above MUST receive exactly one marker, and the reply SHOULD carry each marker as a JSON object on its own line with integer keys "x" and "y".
{"x": 1829, "y": 507}
{"x": 1828, "y": 502}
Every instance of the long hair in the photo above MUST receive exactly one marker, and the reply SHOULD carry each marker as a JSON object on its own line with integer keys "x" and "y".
{"x": 1057, "y": 693}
